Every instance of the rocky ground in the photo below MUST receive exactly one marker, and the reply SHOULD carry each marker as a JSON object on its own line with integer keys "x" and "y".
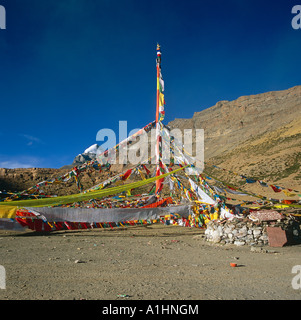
{"x": 156, "y": 262}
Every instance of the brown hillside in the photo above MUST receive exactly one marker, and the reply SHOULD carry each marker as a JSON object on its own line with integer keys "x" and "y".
{"x": 257, "y": 135}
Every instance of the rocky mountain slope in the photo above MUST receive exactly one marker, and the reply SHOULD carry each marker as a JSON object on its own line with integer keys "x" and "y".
{"x": 15, "y": 180}
{"x": 257, "y": 135}
{"x": 230, "y": 123}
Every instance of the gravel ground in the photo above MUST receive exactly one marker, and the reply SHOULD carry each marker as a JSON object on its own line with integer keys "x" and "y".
{"x": 154, "y": 262}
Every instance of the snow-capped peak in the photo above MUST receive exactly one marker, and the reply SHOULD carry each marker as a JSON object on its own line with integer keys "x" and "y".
{"x": 92, "y": 149}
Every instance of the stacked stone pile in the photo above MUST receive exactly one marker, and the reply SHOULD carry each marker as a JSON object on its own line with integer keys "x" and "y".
{"x": 244, "y": 231}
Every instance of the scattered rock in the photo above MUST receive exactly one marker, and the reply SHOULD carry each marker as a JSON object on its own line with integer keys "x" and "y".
{"x": 262, "y": 250}
{"x": 239, "y": 243}
{"x": 79, "y": 261}
{"x": 258, "y": 249}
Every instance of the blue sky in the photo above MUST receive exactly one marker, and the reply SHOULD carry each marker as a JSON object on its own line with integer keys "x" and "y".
{"x": 69, "y": 68}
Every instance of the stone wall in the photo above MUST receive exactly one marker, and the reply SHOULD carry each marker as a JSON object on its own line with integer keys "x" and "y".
{"x": 244, "y": 231}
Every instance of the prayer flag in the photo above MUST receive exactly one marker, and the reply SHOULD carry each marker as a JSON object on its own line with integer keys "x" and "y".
{"x": 276, "y": 188}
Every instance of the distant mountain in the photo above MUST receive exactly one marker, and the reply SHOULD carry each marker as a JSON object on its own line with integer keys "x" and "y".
{"x": 94, "y": 149}
{"x": 88, "y": 155}
{"x": 259, "y": 135}
{"x": 229, "y": 123}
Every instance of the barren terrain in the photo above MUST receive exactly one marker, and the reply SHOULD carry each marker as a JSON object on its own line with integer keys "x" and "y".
{"x": 156, "y": 262}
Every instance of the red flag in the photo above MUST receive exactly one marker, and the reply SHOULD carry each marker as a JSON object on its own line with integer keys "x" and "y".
{"x": 158, "y": 182}
{"x": 147, "y": 171}
{"x": 127, "y": 174}
{"x": 231, "y": 188}
{"x": 275, "y": 188}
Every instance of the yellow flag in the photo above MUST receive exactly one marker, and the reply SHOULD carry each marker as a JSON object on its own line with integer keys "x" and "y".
{"x": 161, "y": 100}
{"x": 7, "y": 212}
{"x": 289, "y": 194}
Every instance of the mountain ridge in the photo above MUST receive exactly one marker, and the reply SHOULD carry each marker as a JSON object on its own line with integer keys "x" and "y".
{"x": 229, "y": 123}
{"x": 256, "y": 135}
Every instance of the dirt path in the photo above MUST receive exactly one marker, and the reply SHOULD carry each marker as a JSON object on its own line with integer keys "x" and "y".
{"x": 145, "y": 263}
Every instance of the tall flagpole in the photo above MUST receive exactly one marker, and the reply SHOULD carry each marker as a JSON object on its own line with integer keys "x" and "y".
{"x": 158, "y": 78}
{"x": 158, "y": 129}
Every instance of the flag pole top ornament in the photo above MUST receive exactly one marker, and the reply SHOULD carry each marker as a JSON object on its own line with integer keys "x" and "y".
{"x": 158, "y": 54}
